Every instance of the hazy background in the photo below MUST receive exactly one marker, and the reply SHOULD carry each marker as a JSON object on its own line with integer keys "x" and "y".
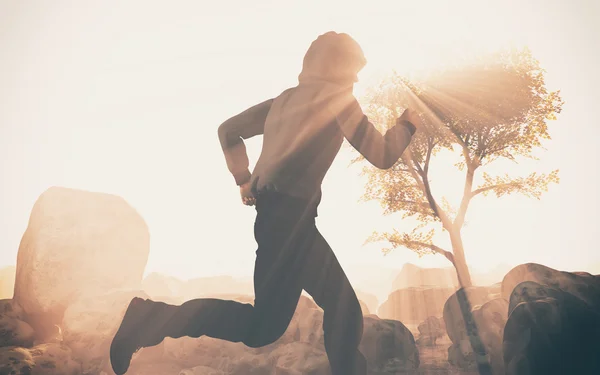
{"x": 126, "y": 97}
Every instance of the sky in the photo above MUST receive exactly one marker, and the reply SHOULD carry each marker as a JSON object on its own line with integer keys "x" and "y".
{"x": 126, "y": 98}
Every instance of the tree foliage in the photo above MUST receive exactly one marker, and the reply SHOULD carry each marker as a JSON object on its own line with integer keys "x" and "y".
{"x": 497, "y": 107}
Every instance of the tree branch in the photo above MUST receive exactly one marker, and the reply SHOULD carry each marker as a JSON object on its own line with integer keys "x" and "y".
{"x": 487, "y": 188}
{"x": 466, "y": 199}
{"x": 435, "y": 248}
{"x": 430, "y": 147}
{"x": 426, "y": 188}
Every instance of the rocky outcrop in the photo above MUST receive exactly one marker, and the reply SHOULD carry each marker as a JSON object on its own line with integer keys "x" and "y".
{"x": 370, "y": 302}
{"x": 454, "y": 318}
{"x": 550, "y": 331}
{"x": 13, "y": 330}
{"x": 580, "y": 284}
{"x": 430, "y": 331}
{"x": 388, "y": 346}
{"x": 45, "y": 359}
{"x": 201, "y": 370}
{"x": 414, "y": 305}
{"x": 364, "y": 308}
{"x": 412, "y": 276}
{"x": 474, "y": 325}
{"x": 77, "y": 244}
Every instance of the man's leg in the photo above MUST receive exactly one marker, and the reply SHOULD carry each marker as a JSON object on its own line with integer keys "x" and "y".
{"x": 280, "y": 233}
{"x": 284, "y": 231}
{"x": 327, "y": 283}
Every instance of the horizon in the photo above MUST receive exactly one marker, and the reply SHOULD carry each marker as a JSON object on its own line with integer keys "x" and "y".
{"x": 98, "y": 101}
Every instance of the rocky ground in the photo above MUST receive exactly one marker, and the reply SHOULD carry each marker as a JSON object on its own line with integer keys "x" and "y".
{"x": 82, "y": 258}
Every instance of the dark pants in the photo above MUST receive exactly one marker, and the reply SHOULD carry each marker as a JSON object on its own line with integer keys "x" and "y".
{"x": 292, "y": 256}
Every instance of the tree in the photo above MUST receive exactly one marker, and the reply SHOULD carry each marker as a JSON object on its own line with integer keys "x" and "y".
{"x": 494, "y": 108}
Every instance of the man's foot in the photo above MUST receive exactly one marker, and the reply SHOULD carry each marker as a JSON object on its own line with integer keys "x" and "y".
{"x": 128, "y": 338}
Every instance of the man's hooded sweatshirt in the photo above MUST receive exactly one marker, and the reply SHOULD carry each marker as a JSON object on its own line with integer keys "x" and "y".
{"x": 304, "y": 127}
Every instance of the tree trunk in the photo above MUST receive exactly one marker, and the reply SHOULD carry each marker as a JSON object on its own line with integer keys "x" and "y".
{"x": 460, "y": 262}
{"x": 464, "y": 279}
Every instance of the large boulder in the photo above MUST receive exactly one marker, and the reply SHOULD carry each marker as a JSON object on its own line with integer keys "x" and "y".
{"x": 90, "y": 324}
{"x": 15, "y": 332}
{"x": 77, "y": 244}
{"x": 580, "y": 284}
{"x": 411, "y": 276}
{"x": 10, "y": 308}
{"x": 454, "y": 318}
{"x": 414, "y": 305}
{"x": 388, "y": 346}
{"x": 430, "y": 330}
{"x": 45, "y": 359}
{"x": 491, "y": 320}
{"x": 469, "y": 317}
{"x": 7, "y": 281}
{"x": 550, "y": 331}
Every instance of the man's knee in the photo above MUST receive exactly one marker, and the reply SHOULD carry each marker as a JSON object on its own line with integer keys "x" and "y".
{"x": 264, "y": 338}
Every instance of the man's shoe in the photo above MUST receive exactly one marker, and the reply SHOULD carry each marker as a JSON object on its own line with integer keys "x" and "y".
{"x": 128, "y": 338}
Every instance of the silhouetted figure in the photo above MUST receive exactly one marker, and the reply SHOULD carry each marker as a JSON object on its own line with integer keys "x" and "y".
{"x": 303, "y": 130}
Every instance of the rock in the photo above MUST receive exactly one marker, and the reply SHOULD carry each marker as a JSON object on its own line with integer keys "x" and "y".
{"x": 10, "y": 308}
{"x": 414, "y": 305}
{"x": 159, "y": 286}
{"x": 453, "y": 316}
{"x": 151, "y": 368}
{"x": 90, "y": 324}
{"x": 7, "y": 281}
{"x": 412, "y": 276}
{"x": 299, "y": 358}
{"x": 491, "y": 320}
{"x": 388, "y": 346}
{"x": 15, "y": 360}
{"x": 432, "y": 326}
{"x": 369, "y": 300}
{"x": 76, "y": 244}
{"x": 201, "y": 370}
{"x": 15, "y": 332}
{"x": 550, "y": 332}
{"x": 530, "y": 291}
{"x": 364, "y": 308}
{"x": 430, "y": 330}
{"x": 45, "y": 359}
{"x": 581, "y": 285}
{"x": 475, "y": 342}
{"x": 306, "y": 326}
{"x": 490, "y": 276}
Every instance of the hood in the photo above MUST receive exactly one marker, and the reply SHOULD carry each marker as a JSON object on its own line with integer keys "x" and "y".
{"x": 333, "y": 57}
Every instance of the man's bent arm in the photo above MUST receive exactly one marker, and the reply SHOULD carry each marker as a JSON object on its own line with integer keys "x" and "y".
{"x": 232, "y": 132}
{"x": 383, "y": 151}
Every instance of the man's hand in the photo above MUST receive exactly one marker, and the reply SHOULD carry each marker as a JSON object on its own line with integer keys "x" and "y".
{"x": 412, "y": 117}
{"x": 246, "y": 192}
